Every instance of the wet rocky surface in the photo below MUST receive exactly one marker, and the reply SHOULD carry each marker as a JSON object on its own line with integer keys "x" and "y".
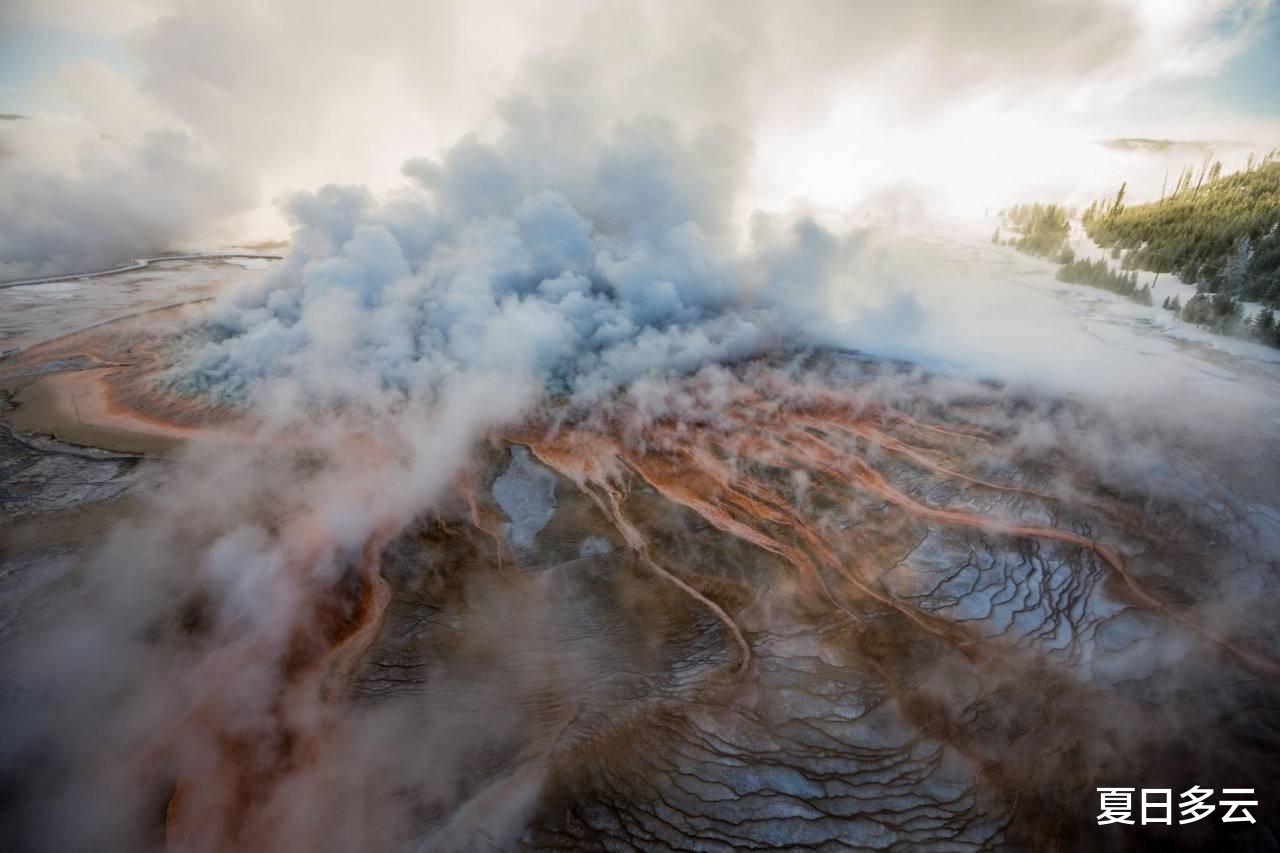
{"x": 33, "y": 313}
{"x": 832, "y": 629}
{"x": 861, "y": 726}
{"x": 968, "y": 690}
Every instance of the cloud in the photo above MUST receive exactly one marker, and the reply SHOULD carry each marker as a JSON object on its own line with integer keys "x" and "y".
{"x": 119, "y": 200}
{"x": 829, "y": 99}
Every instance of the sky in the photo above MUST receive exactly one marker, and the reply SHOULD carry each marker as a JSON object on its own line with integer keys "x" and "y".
{"x": 1250, "y": 82}
{"x": 152, "y": 126}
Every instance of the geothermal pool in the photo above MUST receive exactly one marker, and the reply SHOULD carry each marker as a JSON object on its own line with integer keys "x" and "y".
{"x": 825, "y": 600}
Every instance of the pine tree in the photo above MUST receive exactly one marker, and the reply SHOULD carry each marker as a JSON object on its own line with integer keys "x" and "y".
{"x": 1264, "y": 324}
{"x": 1237, "y": 265}
{"x": 1118, "y": 205}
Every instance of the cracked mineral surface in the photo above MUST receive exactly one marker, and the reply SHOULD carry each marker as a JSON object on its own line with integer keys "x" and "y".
{"x": 823, "y": 603}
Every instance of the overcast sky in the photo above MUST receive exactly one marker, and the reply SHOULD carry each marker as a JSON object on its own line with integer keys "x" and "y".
{"x": 151, "y": 124}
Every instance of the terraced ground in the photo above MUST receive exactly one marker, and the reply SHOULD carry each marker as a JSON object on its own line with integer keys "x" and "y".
{"x": 828, "y": 604}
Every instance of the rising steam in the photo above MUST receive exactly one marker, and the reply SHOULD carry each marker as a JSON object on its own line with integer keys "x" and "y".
{"x": 567, "y": 261}
{"x": 587, "y": 289}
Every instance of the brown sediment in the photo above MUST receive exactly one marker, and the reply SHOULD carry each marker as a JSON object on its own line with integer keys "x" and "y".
{"x": 95, "y": 388}
{"x": 708, "y": 468}
{"x": 78, "y": 408}
{"x": 595, "y": 481}
{"x": 858, "y": 472}
{"x": 773, "y": 422}
{"x": 121, "y": 340}
{"x": 483, "y": 518}
{"x": 232, "y": 802}
{"x": 730, "y": 469}
{"x": 860, "y": 427}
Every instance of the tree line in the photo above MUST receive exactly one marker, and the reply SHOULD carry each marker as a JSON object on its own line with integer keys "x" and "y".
{"x": 1040, "y": 229}
{"x": 1220, "y": 233}
{"x": 1099, "y": 274}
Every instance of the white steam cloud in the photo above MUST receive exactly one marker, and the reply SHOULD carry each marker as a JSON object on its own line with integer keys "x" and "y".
{"x": 566, "y": 255}
{"x": 118, "y": 199}
{"x": 842, "y": 100}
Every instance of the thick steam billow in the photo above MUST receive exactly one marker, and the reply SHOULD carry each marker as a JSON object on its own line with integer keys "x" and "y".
{"x": 566, "y": 260}
{"x": 117, "y": 200}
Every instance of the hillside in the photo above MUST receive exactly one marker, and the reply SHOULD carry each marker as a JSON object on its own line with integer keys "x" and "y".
{"x": 1221, "y": 233}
